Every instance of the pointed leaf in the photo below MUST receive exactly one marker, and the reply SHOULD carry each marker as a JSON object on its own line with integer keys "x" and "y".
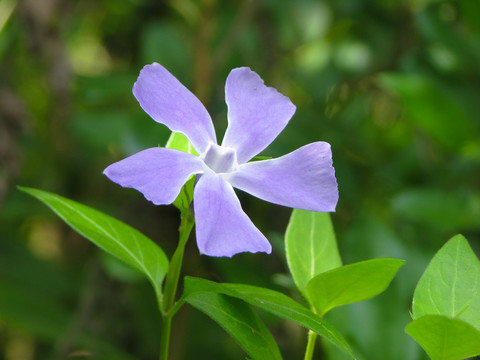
{"x": 240, "y": 321}
{"x": 450, "y": 285}
{"x": 311, "y": 246}
{"x": 444, "y": 338}
{"x": 351, "y": 283}
{"x": 110, "y": 234}
{"x": 271, "y": 301}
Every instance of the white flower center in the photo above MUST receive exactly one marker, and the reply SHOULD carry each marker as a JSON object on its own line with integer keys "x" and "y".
{"x": 220, "y": 159}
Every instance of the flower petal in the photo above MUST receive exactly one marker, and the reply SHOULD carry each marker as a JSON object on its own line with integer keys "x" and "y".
{"x": 168, "y": 102}
{"x": 222, "y": 228}
{"x": 158, "y": 173}
{"x": 303, "y": 179}
{"x": 256, "y": 113}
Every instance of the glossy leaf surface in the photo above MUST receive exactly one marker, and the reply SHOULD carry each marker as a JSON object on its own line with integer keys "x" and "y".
{"x": 271, "y": 301}
{"x": 445, "y": 338}
{"x": 351, "y": 283}
{"x": 240, "y": 321}
{"x": 450, "y": 285}
{"x": 311, "y": 246}
{"x": 110, "y": 234}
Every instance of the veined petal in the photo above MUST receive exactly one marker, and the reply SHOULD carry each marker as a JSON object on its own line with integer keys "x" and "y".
{"x": 303, "y": 179}
{"x": 168, "y": 102}
{"x": 158, "y": 173}
{"x": 256, "y": 113}
{"x": 222, "y": 228}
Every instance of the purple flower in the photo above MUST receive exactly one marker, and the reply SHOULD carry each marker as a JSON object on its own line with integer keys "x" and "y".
{"x": 302, "y": 179}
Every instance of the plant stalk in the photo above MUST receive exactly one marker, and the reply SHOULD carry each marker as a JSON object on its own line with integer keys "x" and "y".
{"x": 312, "y": 337}
{"x": 171, "y": 282}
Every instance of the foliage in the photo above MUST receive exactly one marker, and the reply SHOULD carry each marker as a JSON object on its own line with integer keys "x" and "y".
{"x": 446, "y": 303}
{"x": 392, "y": 85}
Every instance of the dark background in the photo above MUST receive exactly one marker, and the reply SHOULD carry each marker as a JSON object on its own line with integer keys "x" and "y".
{"x": 393, "y": 86}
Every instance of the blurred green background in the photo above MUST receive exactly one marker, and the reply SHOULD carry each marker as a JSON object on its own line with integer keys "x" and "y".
{"x": 392, "y": 85}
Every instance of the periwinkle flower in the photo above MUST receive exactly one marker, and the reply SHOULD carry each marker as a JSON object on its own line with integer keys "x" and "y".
{"x": 302, "y": 179}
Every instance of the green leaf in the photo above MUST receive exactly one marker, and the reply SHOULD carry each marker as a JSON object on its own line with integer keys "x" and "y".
{"x": 310, "y": 245}
{"x": 261, "y": 157}
{"x": 185, "y": 198}
{"x": 351, "y": 283}
{"x": 273, "y": 302}
{"x": 178, "y": 141}
{"x": 240, "y": 321}
{"x": 450, "y": 285}
{"x": 110, "y": 234}
{"x": 444, "y": 338}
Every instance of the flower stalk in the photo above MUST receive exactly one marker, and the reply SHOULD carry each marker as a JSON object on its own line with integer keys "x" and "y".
{"x": 167, "y": 307}
{"x": 312, "y": 337}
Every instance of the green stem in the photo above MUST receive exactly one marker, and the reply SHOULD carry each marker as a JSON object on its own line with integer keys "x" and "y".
{"x": 312, "y": 337}
{"x": 165, "y": 336}
{"x": 171, "y": 283}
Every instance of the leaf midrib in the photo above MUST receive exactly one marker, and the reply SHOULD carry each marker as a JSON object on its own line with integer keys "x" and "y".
{"x": 221, "y": 310}
{"x": 97, "y": 226}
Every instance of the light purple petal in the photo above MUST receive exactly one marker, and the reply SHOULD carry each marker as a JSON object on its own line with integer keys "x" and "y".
{"x": 158, "y": 173}
{"x": 303, "y": 179}
{"x": 222, "y": 228}
{"x": 168, "y": 102}
{"x": 256, "y": 113}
